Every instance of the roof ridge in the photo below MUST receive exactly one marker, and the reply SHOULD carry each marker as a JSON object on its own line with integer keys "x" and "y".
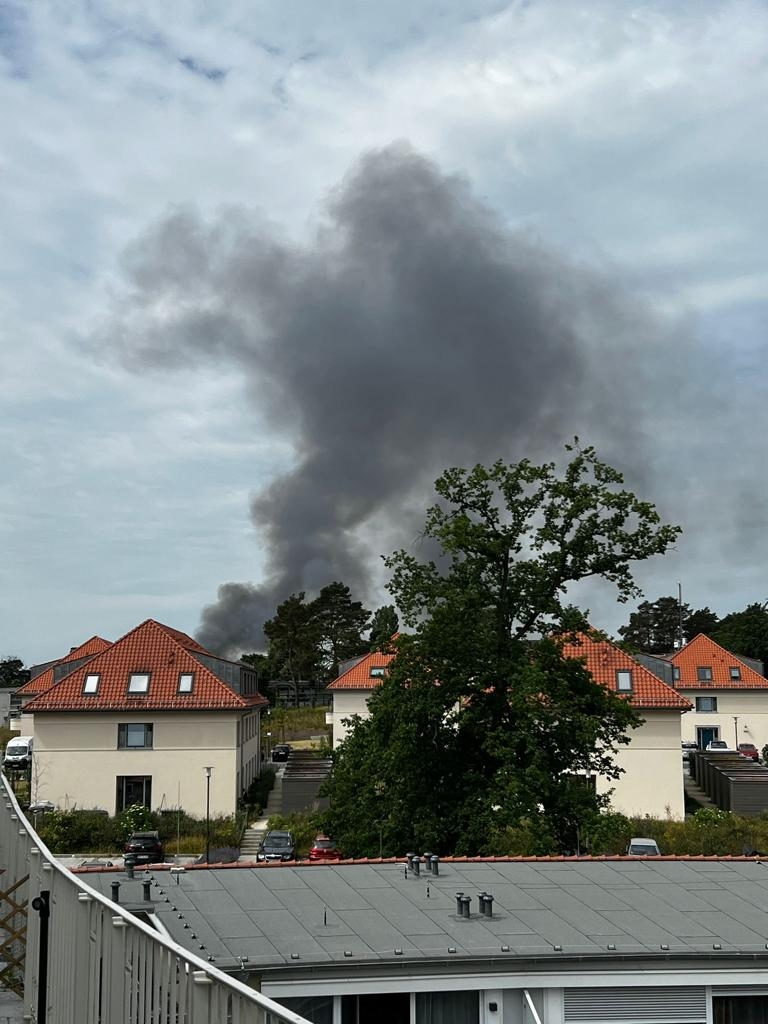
{"x": 157, "y": 632}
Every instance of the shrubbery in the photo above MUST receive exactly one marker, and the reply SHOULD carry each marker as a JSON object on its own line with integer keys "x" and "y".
{"x": 256, "y": 796}
{"x": 708, "y": 832}
{"x": 304, "y": 827}
{"x": 93, "y": 831}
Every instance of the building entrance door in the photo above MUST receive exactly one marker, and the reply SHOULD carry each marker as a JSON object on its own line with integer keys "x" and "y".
{"x": 705, "y": 734}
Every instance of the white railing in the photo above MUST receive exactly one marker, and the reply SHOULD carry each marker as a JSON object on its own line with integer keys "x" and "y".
{"x": 103, "y": 965}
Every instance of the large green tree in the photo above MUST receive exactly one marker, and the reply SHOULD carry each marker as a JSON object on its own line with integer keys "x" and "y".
{"x": 294, "y": 640}
{"x": 481, "y": 723}
{"x": 384, "y": 624}
{"x": 656, "y": 625}
{"x": 745, "y": 632}
{"x": 340, "y": 624}
{"x": 12, "y": 672}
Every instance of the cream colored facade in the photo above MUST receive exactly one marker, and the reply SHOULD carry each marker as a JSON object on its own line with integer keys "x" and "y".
{"x": 741, "y": 716}
{"x": 652, "y": 782}
{"x": 78, "y": 764}
{"x": 346, "y": 703}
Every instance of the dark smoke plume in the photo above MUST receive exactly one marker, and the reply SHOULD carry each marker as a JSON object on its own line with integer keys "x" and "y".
{"x": 414, "y": 332}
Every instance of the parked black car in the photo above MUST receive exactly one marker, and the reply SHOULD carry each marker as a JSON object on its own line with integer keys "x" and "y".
{"x": 277, "y": 846}
{"x": 281, "y": 751}
{"x": 144, "y": 848}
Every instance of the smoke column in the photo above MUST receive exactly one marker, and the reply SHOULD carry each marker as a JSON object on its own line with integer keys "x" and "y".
{"x": 414, "y": 331}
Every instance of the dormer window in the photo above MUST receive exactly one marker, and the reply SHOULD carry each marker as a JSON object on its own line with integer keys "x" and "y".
{"x": 676, "y": 672}
{"x": 735, "y": 672}
{"x": 91, "y": 684}
{"x": 186, "y": 682}
{"x": 624, "y": 680}
{"x": 704, "y": 673}
{"x": 378, "y": 671}
{"x": 138, "y": 682}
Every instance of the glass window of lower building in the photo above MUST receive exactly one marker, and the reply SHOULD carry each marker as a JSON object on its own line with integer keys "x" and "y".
{"x": 133, "y": 789}
{"x": 133, "y": 736}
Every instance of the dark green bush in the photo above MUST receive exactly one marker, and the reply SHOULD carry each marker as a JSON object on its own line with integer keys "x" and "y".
{"x": 257, "y": 794}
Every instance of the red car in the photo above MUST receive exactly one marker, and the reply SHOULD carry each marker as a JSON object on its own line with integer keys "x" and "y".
{"x": 749, "y": 750}
{"x": 324, "y": 848}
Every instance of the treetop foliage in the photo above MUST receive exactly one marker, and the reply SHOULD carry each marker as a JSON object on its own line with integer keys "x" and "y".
{"x": 480, "y": 721}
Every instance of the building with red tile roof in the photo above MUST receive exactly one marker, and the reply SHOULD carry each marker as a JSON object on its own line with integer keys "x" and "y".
{"x": 618, "y": 671}
{"x": 139, "y": 720}
{"x": 53, "y": 672}
{"x": 353, "y": 687}
{"x": 652, "y": 782}
{"x": 730, "y": 697}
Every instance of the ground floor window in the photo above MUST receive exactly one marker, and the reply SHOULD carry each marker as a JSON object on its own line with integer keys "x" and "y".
{"x": 133, "y": 789}
{"x": 447, "y": 1008}
{"x": 740, "y": 1010}
{"x": 381, "y": 1008}
{"x": 318, "y": 1009}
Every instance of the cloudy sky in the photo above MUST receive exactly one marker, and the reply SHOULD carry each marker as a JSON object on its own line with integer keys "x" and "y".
{"x": 266, "y": 268}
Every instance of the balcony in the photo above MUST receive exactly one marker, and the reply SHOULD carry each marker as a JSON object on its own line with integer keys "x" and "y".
{"x": 75, "y": 957}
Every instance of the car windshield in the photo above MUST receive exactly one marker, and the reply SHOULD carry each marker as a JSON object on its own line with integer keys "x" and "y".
{"x": 718, "y": 744}
{"x": 643, "y": 850}
{"x": 278, "y": 841}
{"x": 324, "y": 844}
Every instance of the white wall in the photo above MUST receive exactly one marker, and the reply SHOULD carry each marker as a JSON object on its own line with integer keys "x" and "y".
{"x": 345, "y": 704}
{"x": 77, "y": 761}
{"x": 652, "y": 782}
{"x": 749, "y": 706}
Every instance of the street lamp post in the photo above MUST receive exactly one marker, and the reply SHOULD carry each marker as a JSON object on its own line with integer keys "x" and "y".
{"x": 736, "y": 729}
{"x": 208, "y": 771}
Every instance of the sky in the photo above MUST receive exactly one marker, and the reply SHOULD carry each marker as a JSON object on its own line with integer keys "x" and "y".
{"x": 267, "y": 269}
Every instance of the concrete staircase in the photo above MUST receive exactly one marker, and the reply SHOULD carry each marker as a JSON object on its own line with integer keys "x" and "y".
{"x": 253, "y": 835}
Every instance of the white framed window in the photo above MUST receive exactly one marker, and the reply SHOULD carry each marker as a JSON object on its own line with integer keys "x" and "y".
{"x": 624, "y": 680}
{"x": 138, "y": 682}
{"x": 735, "y": 672}
{"x": 91, "y": 684}
{"x": 378, "y": 671}
{"x": 186, "y": 682}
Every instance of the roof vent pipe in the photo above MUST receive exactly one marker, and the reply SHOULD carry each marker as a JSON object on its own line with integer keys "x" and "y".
{"x": 459, "y": 896}
{"x": 416, "y": 864}
{"x": 488, "y": 905}
{"x": 146, "y": 887}
{"x": 129, "y": 866}
{"x": 426, "y": 858}
{"x": 434, "y": 862}
{"x": 115, "y": 892}
{"x": 465, "y": 902}
{"x": 481, "y": 902}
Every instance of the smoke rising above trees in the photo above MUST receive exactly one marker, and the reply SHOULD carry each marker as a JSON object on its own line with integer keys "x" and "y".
{"x": 415, "y": 330}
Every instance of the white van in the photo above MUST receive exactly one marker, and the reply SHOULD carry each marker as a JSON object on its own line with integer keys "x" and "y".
{"x": 18, "y": 753}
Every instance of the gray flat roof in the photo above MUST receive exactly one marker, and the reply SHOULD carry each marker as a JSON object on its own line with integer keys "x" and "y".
{"x": 318, "y": 914}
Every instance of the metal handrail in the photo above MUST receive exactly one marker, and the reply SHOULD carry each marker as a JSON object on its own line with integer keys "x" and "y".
{"x": 104, "y": 965}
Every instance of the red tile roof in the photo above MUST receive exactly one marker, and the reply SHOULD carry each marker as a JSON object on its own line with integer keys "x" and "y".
{"x": 45, "y": 680}
{"x": 705, "y": 653}
{"x": 154, "y": 648}
{"x": 604, "y": 659}
{"x": 359, "y": 677}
